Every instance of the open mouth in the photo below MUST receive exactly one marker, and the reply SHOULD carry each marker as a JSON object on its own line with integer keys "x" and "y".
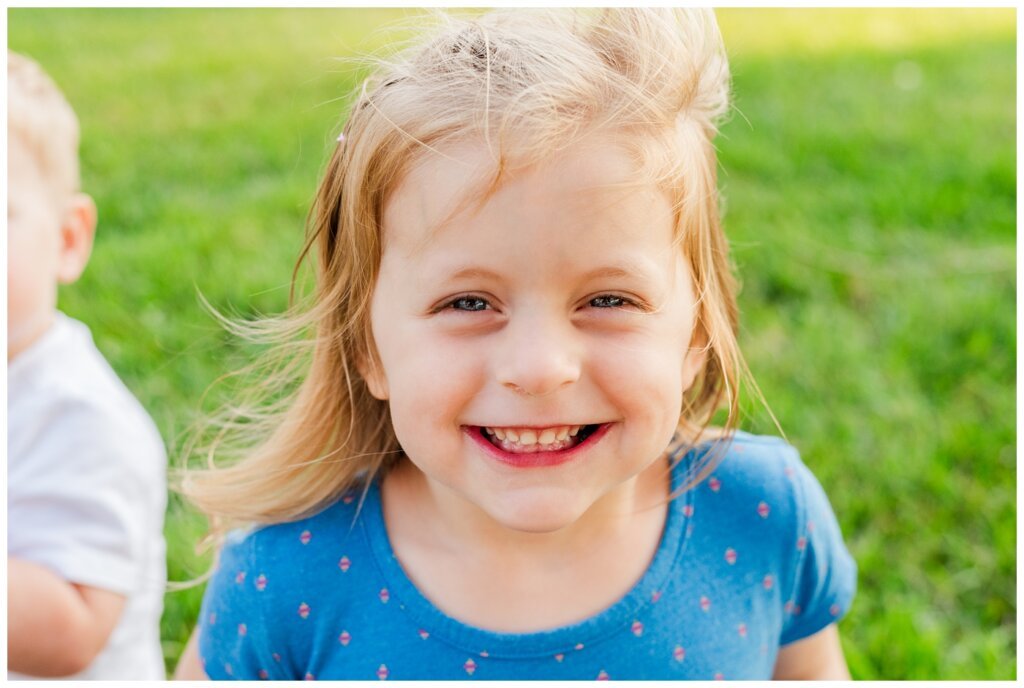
{"x": 536, "y": 447}
{"x": 535, "y": 440}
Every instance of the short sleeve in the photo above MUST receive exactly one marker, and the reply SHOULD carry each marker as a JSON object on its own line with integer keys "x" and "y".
{"x": 89, "y": 499}
{"x": 232, "y": 631}
{"x": 825, "y": 575}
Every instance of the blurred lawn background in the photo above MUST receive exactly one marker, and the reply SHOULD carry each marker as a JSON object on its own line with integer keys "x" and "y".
{"x": 869, "y": 173}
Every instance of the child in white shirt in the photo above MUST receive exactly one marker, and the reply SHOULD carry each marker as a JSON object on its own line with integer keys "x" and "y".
{"x": 86, "y": 467}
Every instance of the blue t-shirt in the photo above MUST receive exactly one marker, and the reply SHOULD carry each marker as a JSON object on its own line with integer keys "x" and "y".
{"x": 750, "y": 559}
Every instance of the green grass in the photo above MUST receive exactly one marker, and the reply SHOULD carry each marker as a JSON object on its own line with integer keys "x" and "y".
{"x": 870, "y": 180}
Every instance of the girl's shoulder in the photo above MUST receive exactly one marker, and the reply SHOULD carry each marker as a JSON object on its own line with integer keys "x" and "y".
{"x": 764, "y": 507}
{"x": 296, "y": 548}
{"x": 274, "y": 586}
{"x": 761, "y": 489}
{"x": 750, "y": 464}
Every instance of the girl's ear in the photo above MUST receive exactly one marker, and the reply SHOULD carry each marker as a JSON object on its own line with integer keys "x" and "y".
{"x": 76, "y": 237}
{"x": 373, "y": 373}
{"x": 696, "y": 356}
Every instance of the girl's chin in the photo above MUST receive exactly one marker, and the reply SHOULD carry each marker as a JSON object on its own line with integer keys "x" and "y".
{"x": 531, "y": 525}
{"x": 537, "y": 509}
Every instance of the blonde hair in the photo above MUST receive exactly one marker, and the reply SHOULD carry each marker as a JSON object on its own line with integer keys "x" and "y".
{"x": 528, "y": 83}
{"x": 39, "y": 116}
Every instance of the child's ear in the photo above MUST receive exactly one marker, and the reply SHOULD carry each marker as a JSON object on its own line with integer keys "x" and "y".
{"x": 373, "y": 373}
{"x": 696, "y": 357}
{"x": 76, "y": 236}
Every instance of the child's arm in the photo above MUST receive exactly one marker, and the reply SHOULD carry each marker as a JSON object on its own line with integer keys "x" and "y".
{"x": 189, "y": 667}
{"x": 817, "y": 657}
{"x": 55, "y": 628}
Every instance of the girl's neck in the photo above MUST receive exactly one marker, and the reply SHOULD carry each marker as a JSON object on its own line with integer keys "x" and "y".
{"x": 491, "y": 577}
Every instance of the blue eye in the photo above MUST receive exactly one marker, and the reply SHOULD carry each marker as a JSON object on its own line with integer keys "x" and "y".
{"x": 468, "y": 303}
{"x": 608, "y": 301}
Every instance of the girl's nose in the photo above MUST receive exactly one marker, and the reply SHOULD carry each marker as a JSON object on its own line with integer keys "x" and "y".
{"x": 538, "y": 358}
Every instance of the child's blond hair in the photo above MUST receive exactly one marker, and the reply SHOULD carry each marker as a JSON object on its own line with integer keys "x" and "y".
{"x": 40, "y": 117}
{"x": 526, "y": 83}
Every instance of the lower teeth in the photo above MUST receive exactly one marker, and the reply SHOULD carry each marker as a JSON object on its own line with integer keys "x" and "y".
{"x": 530, "y": 448}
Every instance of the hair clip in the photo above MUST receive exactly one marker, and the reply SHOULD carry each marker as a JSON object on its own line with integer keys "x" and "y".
{"x": 341, "y": 137}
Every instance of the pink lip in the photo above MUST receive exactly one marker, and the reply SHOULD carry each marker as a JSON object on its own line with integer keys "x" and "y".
{"x": 535, "y": 459}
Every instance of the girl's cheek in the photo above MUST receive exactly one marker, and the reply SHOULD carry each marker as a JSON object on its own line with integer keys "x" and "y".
{"x": 426, "y": 371}
{"x": 655, "y": 377}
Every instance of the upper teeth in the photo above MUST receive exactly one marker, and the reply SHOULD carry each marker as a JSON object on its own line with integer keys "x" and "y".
{"x": 527, "y": 436}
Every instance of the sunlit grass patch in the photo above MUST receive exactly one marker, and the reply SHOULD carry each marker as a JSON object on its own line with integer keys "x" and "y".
{"x": 821, "y": 31}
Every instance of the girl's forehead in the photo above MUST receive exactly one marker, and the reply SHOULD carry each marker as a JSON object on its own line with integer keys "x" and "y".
{"x": 449, "y": 188}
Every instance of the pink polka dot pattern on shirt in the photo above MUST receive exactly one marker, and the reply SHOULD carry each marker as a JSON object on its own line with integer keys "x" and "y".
{"x": 721, "y": 620}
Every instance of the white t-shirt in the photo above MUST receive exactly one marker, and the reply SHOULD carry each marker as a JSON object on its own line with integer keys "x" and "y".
{"x": 86, "y": 489}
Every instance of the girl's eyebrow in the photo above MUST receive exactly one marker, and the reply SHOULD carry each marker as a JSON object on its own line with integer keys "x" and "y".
{"x": 627, "y": 268}
{"x": 615, "y": 272}
{"x": 474, "y": 273}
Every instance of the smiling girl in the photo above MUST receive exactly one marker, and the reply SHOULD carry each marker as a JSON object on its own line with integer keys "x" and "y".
{"x": 499, "y": 462}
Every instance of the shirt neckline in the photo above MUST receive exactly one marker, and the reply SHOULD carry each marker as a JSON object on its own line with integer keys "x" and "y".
{"x": 572, "y": 637}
